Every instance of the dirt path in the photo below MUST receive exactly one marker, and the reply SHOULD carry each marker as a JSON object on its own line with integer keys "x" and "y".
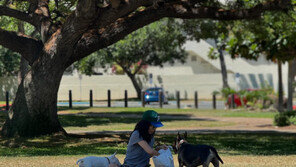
{"x": 244, "y": 125}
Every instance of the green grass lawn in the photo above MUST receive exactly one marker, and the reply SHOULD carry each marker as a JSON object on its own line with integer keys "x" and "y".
{"x": 79, "y": 122}
{"x": 194, "y": 112}
{"x": 226, "y": 144}
{"x": 237, "y": 150}
{"x": 119, "y": 121}
{"x": 74, "y": 123}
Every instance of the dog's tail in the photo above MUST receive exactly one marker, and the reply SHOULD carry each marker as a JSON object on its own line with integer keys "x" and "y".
{"x": 217, "y": 155}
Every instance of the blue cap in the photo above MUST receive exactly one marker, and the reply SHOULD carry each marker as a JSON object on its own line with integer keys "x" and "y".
{"x": 152, "y": 116}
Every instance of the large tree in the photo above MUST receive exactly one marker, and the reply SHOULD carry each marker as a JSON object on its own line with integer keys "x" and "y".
{"x": 71, "y": 30}
{"x": 156, "y": 44}
{"x": 274, "y": 37}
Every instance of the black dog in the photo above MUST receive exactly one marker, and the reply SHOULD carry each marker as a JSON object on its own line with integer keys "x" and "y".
{"x": 194, "y": 155}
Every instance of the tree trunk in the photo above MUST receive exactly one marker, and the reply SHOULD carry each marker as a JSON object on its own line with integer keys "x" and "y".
{"x": 135, "y": 83}
{"x": 223, "y": 66}
{"x": 24, "y": 67}
{"x": 34, "y": 111}
{"x": 280, "y": 98}
{"x": 223, "y": 69}
{"x": 291, "y": 76}
{"x": 24, "y": 64}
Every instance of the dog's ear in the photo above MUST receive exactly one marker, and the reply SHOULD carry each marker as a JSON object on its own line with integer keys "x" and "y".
{"x": 178, "y": 136}
{"x": 114, "y": 153}
{"x": 185, "y": 135}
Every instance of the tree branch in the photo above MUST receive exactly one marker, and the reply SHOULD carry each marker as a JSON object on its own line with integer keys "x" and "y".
{"x": 46, "y": 22}
{"x": 96, "y": 39}
{"x": 187, "y": 10}
{"x": 138, "y": 68}
{"x": 126, "y": 70}
{"x": 78, "y": 22}
{"x": 110, "y": 15}
{"x": 122, "y": 66}
{"x": 33, "y": 19}
{"x": 28, "y": 47}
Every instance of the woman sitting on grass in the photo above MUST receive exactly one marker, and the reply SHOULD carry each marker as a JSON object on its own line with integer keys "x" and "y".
{"x": 140, "y": 145}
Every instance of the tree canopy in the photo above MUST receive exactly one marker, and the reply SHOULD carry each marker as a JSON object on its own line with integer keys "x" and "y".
{"x": 155, "y": 44}
{"x": 274, "y": 36}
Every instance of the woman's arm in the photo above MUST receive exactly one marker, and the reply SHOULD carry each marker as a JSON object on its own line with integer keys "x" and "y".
{"x": 147, "y": 148}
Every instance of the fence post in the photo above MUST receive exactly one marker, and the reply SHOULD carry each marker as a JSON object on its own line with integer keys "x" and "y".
{"x": 109, "y": 98}
{"x": 90, "y": 98}
{"x": 178, "y": 99}
{"x": 143, "y": 99}
{"x": 196, "y": 99}
{"x": 7, "y": 101}
{"x": 70, "y": 99}
{"x": 214, "y": 101}
{"x": 160, "y": 93}
{"x": 125, "y": 98}
{"x": 232, "y": 101}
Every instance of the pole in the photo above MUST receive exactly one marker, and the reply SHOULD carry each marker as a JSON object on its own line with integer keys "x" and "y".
{"x": 109, "y": 98}
{"x": 196, "y": 99}
{"x": 160, "y": 98}
{"x": 90, "y": 98}
{"x": 70, "y": 99}
{"x": 7, "y": 101}
{"x": 143, "y": 99}
{"x": 214, "y": 101}
{"x": 178, "y": 99}
{"x": 125, "y": 99}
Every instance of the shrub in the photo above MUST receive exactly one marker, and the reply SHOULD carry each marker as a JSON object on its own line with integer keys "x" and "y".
{"x": 281, "y": 120}
{"x": 285, "y": 118}
{"x": 257, "y": 99}
{"x": 293, "y": 120}
{"x": 290, "y": 113}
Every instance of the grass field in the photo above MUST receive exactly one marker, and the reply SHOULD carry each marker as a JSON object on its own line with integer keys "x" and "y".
{"x": 88, "y": 121}
{"x": 236, "y": 150}
{"x": 195, "y": 112}
{"x": 74, "y": 123}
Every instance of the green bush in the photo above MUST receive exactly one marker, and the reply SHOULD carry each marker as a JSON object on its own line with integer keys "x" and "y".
{"x": 290, "y": 113}
{"x": 292, "y": 116}
{"x": 281, "y": 120}
{"x": 293, "y": 120}
{"x": 286, "y": 118}
{"x": 261, "y": 98}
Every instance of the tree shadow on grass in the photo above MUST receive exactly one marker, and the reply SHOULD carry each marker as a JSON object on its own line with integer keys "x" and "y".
{"x": 63, "y": 145}
{"x": 105, "y": 118}
{"x": 229, "y": 144}
{"x": 63, "y": 108}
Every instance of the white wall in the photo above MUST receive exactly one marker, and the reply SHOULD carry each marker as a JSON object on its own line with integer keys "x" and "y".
{"x": 205, "y": 84}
